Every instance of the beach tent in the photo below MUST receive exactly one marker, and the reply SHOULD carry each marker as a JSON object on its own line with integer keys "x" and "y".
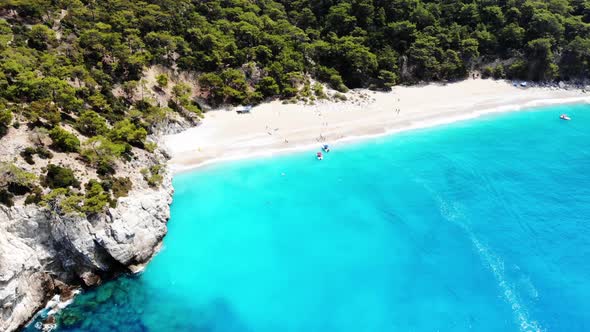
{"x": 244, "y": 109}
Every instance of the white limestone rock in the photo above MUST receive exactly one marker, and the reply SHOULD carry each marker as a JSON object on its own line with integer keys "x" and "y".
{"x": 39, "y": 249}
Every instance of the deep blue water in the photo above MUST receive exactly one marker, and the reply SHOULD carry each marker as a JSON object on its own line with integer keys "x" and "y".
{"x": 481, "y": 225}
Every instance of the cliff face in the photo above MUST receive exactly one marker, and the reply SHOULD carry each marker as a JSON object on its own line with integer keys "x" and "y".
{"x": 41, "y": 252}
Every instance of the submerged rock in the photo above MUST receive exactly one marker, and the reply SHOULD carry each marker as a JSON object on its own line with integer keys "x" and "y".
{"x": 42, "y": 254}
{"x": 104, "y": 294}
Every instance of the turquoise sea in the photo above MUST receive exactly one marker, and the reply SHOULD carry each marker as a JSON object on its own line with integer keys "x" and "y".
{"x": 482, "y": 225}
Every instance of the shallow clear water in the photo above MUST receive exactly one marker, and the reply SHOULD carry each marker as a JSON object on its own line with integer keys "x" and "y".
{"x": 478, "y": 226}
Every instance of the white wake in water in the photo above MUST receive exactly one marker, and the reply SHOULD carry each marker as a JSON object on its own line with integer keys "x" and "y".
{"x": 495, "y": 264}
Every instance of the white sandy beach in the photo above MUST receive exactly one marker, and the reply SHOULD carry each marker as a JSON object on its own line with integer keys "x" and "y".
{"x": 274, "y": 127}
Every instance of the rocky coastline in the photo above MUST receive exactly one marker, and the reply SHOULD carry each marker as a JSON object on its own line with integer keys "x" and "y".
{"x": 43, "y": 254}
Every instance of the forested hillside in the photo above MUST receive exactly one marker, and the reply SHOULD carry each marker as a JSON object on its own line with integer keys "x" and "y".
{"x": 272, "y": 44}
{"x": 72, "y": 71}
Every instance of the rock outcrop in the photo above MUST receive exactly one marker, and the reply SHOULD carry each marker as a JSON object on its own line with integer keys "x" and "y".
{"x": 40, "y": 250}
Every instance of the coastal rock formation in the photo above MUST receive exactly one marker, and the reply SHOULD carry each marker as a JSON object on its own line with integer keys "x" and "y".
{"x": 40, "y": 250}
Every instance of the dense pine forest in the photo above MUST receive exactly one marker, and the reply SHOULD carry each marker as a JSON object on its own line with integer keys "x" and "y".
{"x": 72, "y": 71}
{"x": 249, "y": 50}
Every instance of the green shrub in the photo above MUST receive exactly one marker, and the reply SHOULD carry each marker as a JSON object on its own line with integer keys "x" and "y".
{"x": 101, "y": 153}
{"x": 518, "y": 69}
{"x": 5, "y": 120}
{"x": 63, "y": 201}
{"x": 60, "y": 177}
{"x": 35, "y": 196}
{"x": 268, "y": 87}
{"x": 318, "y": 91}
{"x": 333, "y": 78}
{"x": 306, "y": 90}
{"x": 338, "y": 96}
{"x": 289, "y": 91}
{"x": 162, "y": 80}
{"x": 40, "y": 37}
{"x": 213, "y": 84}
{"x": 43, "y": 113}
{"x": 499, "y": 72}
{"x": 18, "y": 188}
{"x": 28, "y": 153}
{"x": 43, "y": 153}
{"x": 152, "y": 115}
{"x": 63, "y": 140}
{"x": 150, "y": 146}
{"x": 15, "y": 179}
{"x": 121, "y": 187}
{"x": 96, "y": 199}
{"x": 6, "y": 198}
{"x": 387, "y": 79}
{"x": 153, "y": 175}
{"x": 193, "y": 108}
{"x": 181, "y": 93}
{"x": 128, "y": 132}
{"x": 91, "y": 124}
{"x": 254, "y": 98}
{"x": 104, "y": 168}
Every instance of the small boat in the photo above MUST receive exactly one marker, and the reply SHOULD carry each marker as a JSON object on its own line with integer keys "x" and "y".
{"x": 320, "y": 156}
{"x": 564, "y": 117}
{"x": 326, "y": 148}
{"x": 244, "y": 109}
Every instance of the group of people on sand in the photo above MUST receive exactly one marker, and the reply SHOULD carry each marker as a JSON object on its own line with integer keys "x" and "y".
{"x": 397, "y": 109}
{"x": 321, "y": 138}
{"x": 269, "y": 131}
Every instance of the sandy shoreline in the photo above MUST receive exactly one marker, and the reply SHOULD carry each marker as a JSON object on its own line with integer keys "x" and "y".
{"x": 274, "y": 128}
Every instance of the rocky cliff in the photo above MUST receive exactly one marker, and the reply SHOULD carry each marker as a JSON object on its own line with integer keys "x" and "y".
{"x": 41, "y": 253}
